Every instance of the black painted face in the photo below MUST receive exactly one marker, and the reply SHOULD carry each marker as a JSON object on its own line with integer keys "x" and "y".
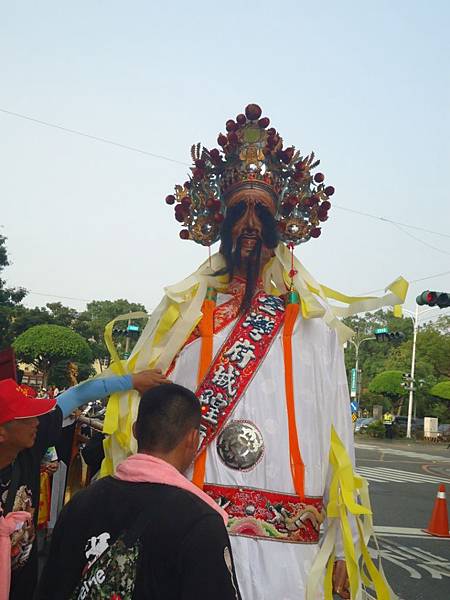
{"x": 249, "y": 235}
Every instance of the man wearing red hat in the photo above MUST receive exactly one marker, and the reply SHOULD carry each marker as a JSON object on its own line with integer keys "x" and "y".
{"x": 28, "y": 426}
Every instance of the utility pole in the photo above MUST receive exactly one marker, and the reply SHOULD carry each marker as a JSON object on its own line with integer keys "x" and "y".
{"x": 413, "y": 367}
{"x": 415, "y": 317}
{"x": 127, "y": 340}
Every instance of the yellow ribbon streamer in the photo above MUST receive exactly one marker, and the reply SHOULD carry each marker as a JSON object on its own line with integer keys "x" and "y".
{"x": 348, "y": 497}
{"x": 122, "y": 407}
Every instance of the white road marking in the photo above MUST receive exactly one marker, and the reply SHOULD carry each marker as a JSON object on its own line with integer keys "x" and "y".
{"x": 422, "y": 456}
{"x": 436, "y": 566}
{"x": 386, "y": 474}
{"x": 414, "y": 532}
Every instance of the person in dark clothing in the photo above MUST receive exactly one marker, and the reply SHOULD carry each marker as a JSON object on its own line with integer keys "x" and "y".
{"x": 93, "y": 453}
{"x": 28, "y": 426}
{"x": 185, "y": 550}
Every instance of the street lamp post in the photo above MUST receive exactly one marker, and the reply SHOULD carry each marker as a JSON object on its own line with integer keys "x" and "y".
{"x": 415, "y": 316}
{"x": 415, "y": 320}
{"x": 357, "y": 345}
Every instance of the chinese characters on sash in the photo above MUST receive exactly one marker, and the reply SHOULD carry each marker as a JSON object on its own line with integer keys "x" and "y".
{"x": 237, "y": 362}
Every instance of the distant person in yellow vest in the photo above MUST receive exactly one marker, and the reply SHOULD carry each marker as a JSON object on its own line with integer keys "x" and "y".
{"x": 388, "y": 421}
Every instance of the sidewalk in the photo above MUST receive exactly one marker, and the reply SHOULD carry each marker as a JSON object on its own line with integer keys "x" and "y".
{"x": 438, "y": 449}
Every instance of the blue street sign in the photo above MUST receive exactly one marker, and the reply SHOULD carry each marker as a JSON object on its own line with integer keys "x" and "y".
{"x": 133, "y": 328}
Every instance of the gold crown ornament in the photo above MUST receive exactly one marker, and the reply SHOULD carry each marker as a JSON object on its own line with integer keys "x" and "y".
{"x": 251, "y": 155}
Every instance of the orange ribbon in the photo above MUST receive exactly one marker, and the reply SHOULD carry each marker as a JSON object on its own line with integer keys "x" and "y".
{"x": 297, "y": 466}
{"x": 206, "y": 328}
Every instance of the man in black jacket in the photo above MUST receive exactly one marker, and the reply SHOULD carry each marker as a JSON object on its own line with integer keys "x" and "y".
{"x": 185, "y": 547}
{"x": 28, "y": 426}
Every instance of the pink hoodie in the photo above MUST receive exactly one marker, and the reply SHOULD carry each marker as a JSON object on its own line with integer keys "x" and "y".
{"x": 149, "y": 469}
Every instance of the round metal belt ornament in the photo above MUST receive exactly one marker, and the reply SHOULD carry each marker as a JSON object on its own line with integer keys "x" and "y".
{"x": 240, "y": 445}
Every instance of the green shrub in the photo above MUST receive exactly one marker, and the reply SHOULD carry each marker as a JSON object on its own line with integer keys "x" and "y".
{"x": 376, "y": 430}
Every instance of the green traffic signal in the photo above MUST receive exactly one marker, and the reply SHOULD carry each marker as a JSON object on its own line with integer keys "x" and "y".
{"x": 384, "y": 335}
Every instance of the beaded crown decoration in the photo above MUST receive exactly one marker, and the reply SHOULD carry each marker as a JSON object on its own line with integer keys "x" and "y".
{"x": 251, "y": 155}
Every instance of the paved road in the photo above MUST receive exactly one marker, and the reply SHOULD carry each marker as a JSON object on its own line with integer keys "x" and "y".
{"x": 403, "y": 480}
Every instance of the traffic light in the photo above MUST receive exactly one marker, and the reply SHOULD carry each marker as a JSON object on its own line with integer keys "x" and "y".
{"x": 384, "y": 335}
{"x": 408, "y": 381}
{"x": 396, "y": 336}
{"x": 440, "y": 299}
{"x": 117, "y": 331}
{"x": 132, "y": 331}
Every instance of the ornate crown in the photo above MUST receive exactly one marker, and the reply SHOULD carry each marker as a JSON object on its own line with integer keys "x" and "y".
{"x": 252, "y": 154}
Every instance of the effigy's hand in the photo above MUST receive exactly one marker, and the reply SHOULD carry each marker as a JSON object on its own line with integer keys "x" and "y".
{"x": 340, "y": 579}
{"x": 51, "y": 467}
{"x": 145, "y": 380}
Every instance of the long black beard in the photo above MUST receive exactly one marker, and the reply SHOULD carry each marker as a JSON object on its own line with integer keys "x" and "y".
{"x": 252, "y": 267}
{"x": 232, "y": 251}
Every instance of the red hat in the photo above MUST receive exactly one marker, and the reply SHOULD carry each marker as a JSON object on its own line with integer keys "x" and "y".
{"x": 14, "y": 404}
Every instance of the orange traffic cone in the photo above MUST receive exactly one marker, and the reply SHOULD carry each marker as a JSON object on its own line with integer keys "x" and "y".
{"x": 438, "y": 524}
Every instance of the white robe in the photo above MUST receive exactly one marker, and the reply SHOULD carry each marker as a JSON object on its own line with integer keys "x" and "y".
{"x": 269, "y": 569}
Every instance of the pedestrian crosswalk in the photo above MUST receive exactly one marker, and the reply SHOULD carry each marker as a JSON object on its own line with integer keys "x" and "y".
{"x": 385, "y": 474}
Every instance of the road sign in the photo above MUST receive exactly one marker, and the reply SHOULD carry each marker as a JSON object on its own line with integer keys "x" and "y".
{"x": 353, "y": 384}
{"x": 133, "y": 328}
{"x": 381, "y": 330}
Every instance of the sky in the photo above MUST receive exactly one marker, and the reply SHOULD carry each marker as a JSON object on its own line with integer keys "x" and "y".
{"x": 363, "y": 84}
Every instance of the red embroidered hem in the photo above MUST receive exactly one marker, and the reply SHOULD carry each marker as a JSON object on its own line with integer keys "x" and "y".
{"x": 269, "y": 515}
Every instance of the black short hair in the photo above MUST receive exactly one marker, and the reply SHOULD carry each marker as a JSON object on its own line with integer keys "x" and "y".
{"x": 166, "y": 414}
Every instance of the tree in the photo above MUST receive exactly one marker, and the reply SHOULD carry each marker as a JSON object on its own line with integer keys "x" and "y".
{"x": 432, "y": 356}
{"x": 373, "y": 355}
{"x": 433, "y": 347}
{"x": 441, "y": 390}
{"x": 9, "y": 299}
{"x": 388, "y": 384}
{"x": 62, "y": 315}
{"x": 45, "y": 345}
{"x": 59, "y": 374}
{"x": 54, "y": 313}
{"x": 91, "y": 323}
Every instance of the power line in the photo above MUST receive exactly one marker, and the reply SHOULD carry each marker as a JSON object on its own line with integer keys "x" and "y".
{"x": 431, "y": 277}
{"x": 386, "y": 220}
{"x": 179, "y": 162}
{"x": 48, "y": 295}
{"x": 402, "y": 229}
{"x": 410, "y": 281}
{"x": 56, "y": 296}
{"x": 91, "y": 137}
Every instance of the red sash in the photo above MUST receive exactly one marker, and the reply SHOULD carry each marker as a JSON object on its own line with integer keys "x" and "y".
{"x": 236, "y": 363}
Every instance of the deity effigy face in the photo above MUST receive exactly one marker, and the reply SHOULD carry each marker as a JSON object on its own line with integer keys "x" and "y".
{"x": 248, "y": 227}
{"x": 249, "y": 235}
